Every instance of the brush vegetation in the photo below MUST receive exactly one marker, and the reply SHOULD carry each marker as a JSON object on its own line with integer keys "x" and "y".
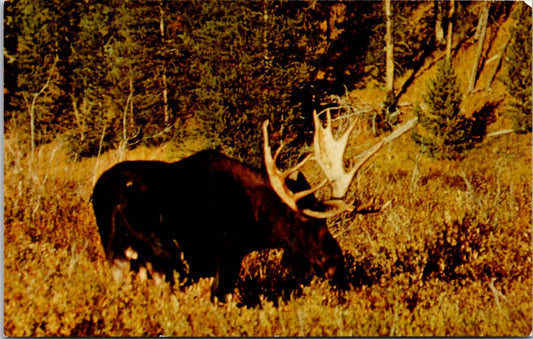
{"x": 450, "y": 255}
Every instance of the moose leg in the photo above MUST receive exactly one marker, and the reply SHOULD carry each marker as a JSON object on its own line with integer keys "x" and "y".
{"x": 227, "y": 272}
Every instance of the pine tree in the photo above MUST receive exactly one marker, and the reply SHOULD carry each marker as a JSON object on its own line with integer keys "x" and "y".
{"x": 445, "y": 132}
{"x": 245, "y": 60}
{"x": 91, "y": 128}
{"x": 518, "y": 78}
{"x": 123, "y": 80}
{"x": 413, "y": 39}
{"x": 34, "y": 64}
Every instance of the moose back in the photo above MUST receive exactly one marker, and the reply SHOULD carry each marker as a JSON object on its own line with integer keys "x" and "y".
{"x": 209, "y": 210}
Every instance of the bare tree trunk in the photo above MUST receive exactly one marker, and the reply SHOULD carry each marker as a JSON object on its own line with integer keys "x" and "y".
{"x": 31, "y": 112}
{"x": 499, "y": 57}
{"x": 439, "y": 15}
{"x": 81, "y": 114}
{"x": 165, "y": 99}
{"x": 482, "y": 29}
{"x": 100, "y": 147}
{"x": 31, "y": 109}
{"x": 164, "y": 77}
{"x": 449, "y": 35}
{"x": 161, "y": 20}
{"x": 128, "y": 104}
{"x": 389, "y": 50}
{"x": 265, "y": 32}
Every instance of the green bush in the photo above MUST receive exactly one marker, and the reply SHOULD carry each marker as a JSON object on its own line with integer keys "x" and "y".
{"x": 251, "y": 76}
{"x": 444, "y": 132}
{"x": 518, "y": 77}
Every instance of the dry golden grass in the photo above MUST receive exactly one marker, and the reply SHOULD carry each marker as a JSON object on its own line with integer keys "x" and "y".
{"x": 450, "y": 255}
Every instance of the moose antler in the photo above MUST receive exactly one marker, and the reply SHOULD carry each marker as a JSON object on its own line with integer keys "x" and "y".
{"x": 278, "y": 177}
{"x": 278, "y": 181}
{"x": 329, "y": 154}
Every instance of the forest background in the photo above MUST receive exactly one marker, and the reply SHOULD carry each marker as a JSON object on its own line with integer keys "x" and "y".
{"x": 90, "y": 83}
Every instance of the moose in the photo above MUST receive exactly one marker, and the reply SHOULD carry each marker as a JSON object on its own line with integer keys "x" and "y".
{"x": 202, "y": 215}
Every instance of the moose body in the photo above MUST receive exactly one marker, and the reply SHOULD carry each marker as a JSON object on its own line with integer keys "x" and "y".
{"x": 211, "y": 209}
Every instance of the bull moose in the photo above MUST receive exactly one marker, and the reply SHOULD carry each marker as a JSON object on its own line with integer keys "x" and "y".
{"x": 203, "y": 214}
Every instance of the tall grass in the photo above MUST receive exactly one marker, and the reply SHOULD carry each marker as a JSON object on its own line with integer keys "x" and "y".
{"x": 449, "y": 255}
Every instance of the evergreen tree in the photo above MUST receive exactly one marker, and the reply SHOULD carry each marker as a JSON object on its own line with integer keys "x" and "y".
{"x": 518, "y": 79}
{"x": 246, "y": 59}
{"x": 138, "y": 62}
{"x": 38, "y": 77}
{"x": 412, "y": 39}
{"x": 92, "y": 129}
{"x": 123, "y": 80}
{"x": 33, "y": 61}
{"x": 445, "y": 132}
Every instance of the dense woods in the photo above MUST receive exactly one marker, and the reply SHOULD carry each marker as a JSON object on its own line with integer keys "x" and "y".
{"x": 89, "y": 83}
{"x": 113, "y": 73}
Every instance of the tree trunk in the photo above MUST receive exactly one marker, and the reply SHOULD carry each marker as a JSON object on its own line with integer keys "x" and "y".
{"x": 439, "y": 15}
{"x": 128, "y": 104}
{"x": 31, "y": 108}
{"x": 31, "y": 112}
{"x": 165, "y": 100}
{"x": 482, "y": 29}
{"x": 166, "y": 114}
{"x": 449, "y": 35}
{"x": 389, "y": 50}
{"x": 499, "y": 57}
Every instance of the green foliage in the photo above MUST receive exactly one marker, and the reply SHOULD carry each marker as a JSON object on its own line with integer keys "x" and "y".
{"x": 92, "y": 128}
{"x": 446, "y": 133}
{"x": 246, "y": 58}
{"x": 33, "y": 57}
{"x": 142, "y": 68}
{"x": 518, "y": 77}
{"x": 411, "y": 39}
{"x": 427, "y": 265}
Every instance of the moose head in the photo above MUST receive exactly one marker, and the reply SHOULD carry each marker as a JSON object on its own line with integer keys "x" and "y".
{"x": 329, "y": 155}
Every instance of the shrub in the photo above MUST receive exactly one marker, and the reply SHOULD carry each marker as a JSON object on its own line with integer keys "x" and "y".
{"x": 445, "y": 132}
{"x": 518, "y": 77}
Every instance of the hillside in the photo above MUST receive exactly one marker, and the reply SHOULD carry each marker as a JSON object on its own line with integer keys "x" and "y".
{"x": 412, "y": 87}
{"x": 448, "y": 255}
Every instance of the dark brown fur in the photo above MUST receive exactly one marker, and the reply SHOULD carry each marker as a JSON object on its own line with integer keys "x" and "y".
{"x": 212, "y": 208}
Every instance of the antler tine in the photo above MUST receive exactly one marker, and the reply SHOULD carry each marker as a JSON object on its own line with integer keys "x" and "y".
{"x": 328, "y": 118}
{"x": 277, "y": 153}
{"x": 304, "y": 193}
{"x": 328, "y": 127}
{"x": 277, "y": 178}
{"x": 266, "y": 148}
{"x": 329, "y": 154}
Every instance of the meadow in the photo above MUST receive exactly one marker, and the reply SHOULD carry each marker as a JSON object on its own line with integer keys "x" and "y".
{"x": 450, "y": 255}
